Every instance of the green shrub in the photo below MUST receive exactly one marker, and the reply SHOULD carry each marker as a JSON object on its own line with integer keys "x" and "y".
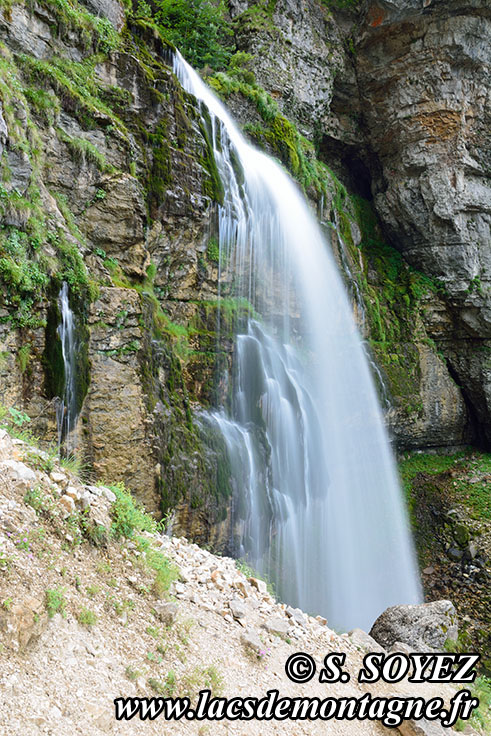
{"x": 55, "y": 602}
{"x": 198, "y": 28}
{"x": 128, "y": 516}
{"x": 166, "y": 688}
{"x": 37, "y": 499}
{"x": 165, "y": 571}
{"x": 86, "y": 617}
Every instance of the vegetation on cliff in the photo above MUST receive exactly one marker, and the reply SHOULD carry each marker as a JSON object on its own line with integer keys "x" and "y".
{"x": 450, "y": 507}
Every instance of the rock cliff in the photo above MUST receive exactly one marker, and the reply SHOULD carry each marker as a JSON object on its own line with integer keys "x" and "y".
{"x": 423, "y": 78}
{"x": 109, "y": 183}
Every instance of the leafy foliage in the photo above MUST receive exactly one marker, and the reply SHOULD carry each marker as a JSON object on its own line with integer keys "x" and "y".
{"x": 55, "y": 601}
{"x": 198, "y": 27}
{"x": 86, "y": 617}
{"x": 128, "y": 516}
{"x": 165, "y": 571}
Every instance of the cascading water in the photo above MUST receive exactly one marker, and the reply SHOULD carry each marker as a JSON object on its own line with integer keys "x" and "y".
{"x": 317, "y": 501}
{"x": 66, "y": 411}
{"x": 357, "y": 296}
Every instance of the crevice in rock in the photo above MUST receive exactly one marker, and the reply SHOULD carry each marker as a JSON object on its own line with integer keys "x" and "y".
{"x": 349, "y": 163}
{"x": 475, "y": 428}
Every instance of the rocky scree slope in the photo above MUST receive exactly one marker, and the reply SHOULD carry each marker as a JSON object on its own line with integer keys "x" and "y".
{"x": 95, "y": 603}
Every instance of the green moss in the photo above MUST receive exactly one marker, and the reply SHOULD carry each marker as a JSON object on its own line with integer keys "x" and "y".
{"x": 448, "y": 497}
{"x": 72, "y": 267}
{"x": 45, "y": 103}
{"x": 180, "y": 353}
{"x": 6, "y": 8}
{"x": 222, "y": 472}
{"x": 392, "y": 293}
{"x": 93, "y": 31}
{"x": 257, "y": 18}
{"x": 24, "y": 357}
{"x": 160, "y": 175}
{"x": 213, "y": 250}
{"x": 74, "y": 83}
{"x": 84, "y": 150}
{"x": 285, "y": 139}
{"x": 464, "y": 465}
{"x": 213, "y": 186}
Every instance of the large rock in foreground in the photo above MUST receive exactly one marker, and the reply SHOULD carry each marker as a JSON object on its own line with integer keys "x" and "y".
{"x": 423, "y": 627}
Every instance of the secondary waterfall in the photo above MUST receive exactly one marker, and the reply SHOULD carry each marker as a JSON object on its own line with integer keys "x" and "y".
{"x": 317, "y": 500}
{"x": 66, "y": 415}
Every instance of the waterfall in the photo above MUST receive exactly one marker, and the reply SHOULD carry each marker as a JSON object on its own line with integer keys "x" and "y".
{"x": 357, "y": 297}
{"x": 317, "y": 503}
{"x": 66, "y": 411}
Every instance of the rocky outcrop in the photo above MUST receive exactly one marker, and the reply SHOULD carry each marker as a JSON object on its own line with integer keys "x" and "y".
{"x": 113, "y": 10}
{"x": 423, "y": 77}
{"x": 125, "y": 179}
{"x": 116, "y": 435}
{"x": 423, "y": 627}
{"x": 297, "y": 50}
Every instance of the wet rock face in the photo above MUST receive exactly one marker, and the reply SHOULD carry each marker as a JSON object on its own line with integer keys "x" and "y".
{"x": 423, "y": 72}
{"x": 110, "y": 9}
{"x": 135, "y": 183}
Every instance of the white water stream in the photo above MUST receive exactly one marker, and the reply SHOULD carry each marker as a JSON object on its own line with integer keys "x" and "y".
{"x": 66, "y": 409}
{"x": 317, "y": 498}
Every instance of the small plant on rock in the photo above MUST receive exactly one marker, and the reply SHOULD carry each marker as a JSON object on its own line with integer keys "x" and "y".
{"x": 128, "y": 516}
{"x": 38, "y": 500}
{"x": 55, "y": 602}
{"x": 86, "y": 617}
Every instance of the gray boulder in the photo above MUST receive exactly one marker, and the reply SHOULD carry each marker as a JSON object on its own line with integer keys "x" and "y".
{"x": 423, "y": 627}
{"x": 278, "y": 626}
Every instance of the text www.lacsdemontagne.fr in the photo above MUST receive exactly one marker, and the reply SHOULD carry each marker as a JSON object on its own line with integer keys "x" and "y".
{"x": 390, "y": 712}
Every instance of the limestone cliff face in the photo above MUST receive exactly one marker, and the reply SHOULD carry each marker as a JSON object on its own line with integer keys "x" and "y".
{"x": 402, "y": 115}
{"x": 107, "y": 183}
{"x": 297, "y": 50}
{"x": 423, "y": 72}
